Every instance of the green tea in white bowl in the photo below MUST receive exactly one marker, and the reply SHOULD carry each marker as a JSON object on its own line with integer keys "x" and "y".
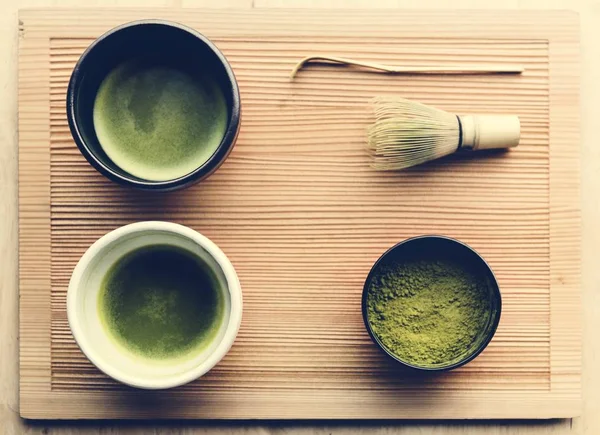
{"x": 161, "y": 302}
{"x": 154, "y": 304}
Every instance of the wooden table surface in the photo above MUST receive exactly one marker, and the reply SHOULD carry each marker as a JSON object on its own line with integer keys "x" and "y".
{"x": 11, "y": 423}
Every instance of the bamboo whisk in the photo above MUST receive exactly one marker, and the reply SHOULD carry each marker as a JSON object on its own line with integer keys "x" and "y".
{"x": 407, "y": 133}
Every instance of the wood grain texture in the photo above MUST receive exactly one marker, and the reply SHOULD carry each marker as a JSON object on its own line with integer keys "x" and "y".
{"x": 34, "y": 213}
{"x": 303, "y": 218}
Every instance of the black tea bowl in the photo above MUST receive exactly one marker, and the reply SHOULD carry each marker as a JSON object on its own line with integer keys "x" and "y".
{"x": 169, "y": 43}
{"x": 435, "y": 248}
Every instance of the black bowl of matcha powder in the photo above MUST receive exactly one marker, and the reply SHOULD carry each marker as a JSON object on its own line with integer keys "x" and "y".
{"x": 431, "y": 303}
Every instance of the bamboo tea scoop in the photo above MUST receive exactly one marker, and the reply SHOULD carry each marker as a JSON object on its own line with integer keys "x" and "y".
{"x": 453, "y": 69}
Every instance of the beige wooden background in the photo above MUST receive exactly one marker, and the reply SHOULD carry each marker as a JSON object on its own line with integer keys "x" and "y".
{"x": 10, "y": 423}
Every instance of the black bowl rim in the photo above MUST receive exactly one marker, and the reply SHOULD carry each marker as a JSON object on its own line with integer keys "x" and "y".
{"x": 199, "y": 173}
{"x": 462, "y": 362}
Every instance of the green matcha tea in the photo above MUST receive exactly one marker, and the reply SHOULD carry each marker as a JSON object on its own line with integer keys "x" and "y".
{"x": 161, "y": 302}
{"x": 428, "y": 313}
{"x": 157, "y": 122}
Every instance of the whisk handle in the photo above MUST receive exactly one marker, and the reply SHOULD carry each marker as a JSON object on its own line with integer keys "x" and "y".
{"x": 484, "y": 132}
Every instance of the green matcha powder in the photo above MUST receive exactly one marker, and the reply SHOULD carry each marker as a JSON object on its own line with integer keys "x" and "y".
{"x": 428, "y": 313}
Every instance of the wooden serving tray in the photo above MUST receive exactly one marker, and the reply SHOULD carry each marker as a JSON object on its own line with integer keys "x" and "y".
{"x": 302, "y": 216}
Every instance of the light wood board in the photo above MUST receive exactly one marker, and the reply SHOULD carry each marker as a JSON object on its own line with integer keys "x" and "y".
{"x": 303, "y": 218}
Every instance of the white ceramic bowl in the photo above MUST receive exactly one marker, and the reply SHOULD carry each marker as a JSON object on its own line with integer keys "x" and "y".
{"x": 94, "y": 340}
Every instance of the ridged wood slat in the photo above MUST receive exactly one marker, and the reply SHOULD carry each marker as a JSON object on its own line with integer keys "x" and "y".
{"x": 303, "y": 217}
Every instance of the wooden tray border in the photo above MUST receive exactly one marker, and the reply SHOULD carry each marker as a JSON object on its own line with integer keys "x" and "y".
{"x": 559, "y": 29}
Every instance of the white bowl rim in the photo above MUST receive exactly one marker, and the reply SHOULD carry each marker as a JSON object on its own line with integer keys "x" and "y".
{"x": 231, "y": 330}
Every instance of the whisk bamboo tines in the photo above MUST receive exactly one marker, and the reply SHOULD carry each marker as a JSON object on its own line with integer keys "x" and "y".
{"x": 407, "y": 133}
